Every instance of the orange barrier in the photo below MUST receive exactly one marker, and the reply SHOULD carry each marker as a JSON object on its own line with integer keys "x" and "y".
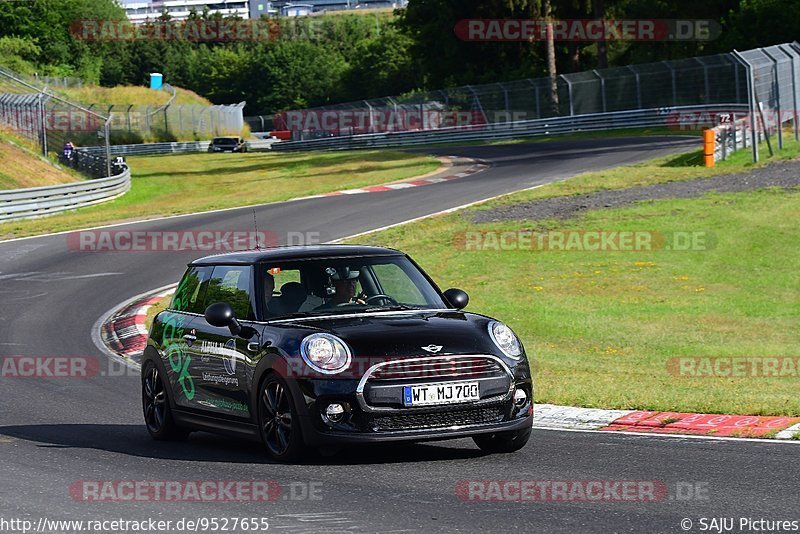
{"x": 709, "y": 139}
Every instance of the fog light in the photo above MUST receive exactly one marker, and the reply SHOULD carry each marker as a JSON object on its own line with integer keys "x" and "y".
{"x": 520, "y": 397}
{"x": 334, "y": 412}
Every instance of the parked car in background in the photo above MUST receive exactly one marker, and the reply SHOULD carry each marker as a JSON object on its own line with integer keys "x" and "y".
{"x": 228, "y": 144}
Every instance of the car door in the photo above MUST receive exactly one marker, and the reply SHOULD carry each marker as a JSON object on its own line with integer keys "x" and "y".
{"x": 173, "y": 332}
{"x": 221, "y": 372}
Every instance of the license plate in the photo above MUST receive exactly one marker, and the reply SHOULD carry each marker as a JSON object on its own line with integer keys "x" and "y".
{"x": 430, "y": 394}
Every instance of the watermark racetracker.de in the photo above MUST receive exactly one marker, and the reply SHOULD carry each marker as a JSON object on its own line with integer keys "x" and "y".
{"x": 566, "y": 491}
{"x": 587, "y": 30}
{"x": 735, "y": 367}
{"x": 584, "y": 240}
{"x": 211, "y": 240}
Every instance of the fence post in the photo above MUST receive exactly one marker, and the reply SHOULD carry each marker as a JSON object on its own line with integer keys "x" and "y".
{"x": 569, "y": 94}
{"x": 42, "y": 124}
{"x": 777, "y": 88}
{"x": 751, "y": 102}
{"x": 602, "y": 88}
{"x": 166, "y": 121}
{"x": 705, "y": 79}
{"x": 536, "y": 96}
{"x": 638, "y": 86}
{"x": 674, "y": 83}
{"x": 505, "y": 97}
{"x": 371, "y": 128}
{"x": 107, "y": 129}
{"x": 792, "y": 56}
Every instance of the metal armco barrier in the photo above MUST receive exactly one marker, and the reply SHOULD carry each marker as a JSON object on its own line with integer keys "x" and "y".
{"x": 150, "y": 149}
{"x": 41, "y": 201}
{"x": 645, "y": 118}
{"x": 764, "y": 82}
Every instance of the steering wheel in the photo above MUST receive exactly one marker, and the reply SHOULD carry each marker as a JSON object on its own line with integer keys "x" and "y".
{"x": 386, "y": 298}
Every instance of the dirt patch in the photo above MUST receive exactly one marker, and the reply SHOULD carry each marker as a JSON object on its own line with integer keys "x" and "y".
{"x": 783, "y": 174}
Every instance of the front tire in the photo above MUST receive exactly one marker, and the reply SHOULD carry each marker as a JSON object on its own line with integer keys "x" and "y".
{"x": 503, "y": 442}
{"x": 278, "y": 421}
{"x": 156, "y": 409}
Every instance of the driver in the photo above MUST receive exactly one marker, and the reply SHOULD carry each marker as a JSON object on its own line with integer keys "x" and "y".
{"x": 344, "y": 283}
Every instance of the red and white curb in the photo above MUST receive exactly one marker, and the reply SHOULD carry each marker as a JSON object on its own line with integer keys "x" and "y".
{"x": 551, "y": 416}
{"x": 124, "y": 334}
{"x": 476, "y": 167}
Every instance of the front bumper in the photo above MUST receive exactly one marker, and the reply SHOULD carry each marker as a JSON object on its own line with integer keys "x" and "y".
{"x": 372, "y": 416}
{"x": 315, "y": 437}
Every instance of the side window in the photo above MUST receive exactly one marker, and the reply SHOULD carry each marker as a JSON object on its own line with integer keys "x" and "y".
{"x": 231, "y": 284}
{"x": 189, "y": 295}
{"x": 283, "y": 276}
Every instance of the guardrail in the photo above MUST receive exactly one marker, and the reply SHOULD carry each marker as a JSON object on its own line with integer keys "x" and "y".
{"x": 733, "y": 136}
{"x": 150, "y": 149}
{"x": 646, "y": 118}
{"x": 35, "y": 202}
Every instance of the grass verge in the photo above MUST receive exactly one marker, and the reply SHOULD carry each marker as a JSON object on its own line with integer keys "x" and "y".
{"x": 192, "y": 183}
{"x": 21, "y": 166}
{"x": 125, "y": 95}
{"x": 605, "y": 329}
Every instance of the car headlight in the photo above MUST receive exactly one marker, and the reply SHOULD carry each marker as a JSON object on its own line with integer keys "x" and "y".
{"x": 505, "y": 339}
{"x": 325, "y": 353}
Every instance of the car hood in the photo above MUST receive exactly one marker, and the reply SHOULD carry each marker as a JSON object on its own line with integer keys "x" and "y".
{"x": 405, "y": 334}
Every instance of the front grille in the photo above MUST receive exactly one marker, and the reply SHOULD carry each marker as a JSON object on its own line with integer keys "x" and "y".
{"x": 457, "y": 367}
{"x": 430, "y": 420}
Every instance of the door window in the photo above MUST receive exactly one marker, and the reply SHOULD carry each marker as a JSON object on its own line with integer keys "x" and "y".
{"x": 231, "y": 284}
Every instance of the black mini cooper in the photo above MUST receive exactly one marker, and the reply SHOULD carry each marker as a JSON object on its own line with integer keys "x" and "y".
{"x": 331, "y": 345}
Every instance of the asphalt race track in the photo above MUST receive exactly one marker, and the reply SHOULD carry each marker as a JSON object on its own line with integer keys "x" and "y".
{"x": 55, "y": 432}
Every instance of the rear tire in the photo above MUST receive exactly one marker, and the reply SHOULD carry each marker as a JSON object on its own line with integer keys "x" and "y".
{"x": 278, "y": 422}
{"x": 156, "y": 408}
{"x": 503, "y": 442}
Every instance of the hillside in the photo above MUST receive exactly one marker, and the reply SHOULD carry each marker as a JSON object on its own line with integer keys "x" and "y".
{"x": 130, "y": 94}
{"x": 21, "y": 166}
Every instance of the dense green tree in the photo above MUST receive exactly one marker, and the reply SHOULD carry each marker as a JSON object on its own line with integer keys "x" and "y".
{"x": 297, "y": 74}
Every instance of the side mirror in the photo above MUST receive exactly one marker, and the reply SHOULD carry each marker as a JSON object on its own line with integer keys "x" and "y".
{"x": 221, "y": 314}
{"x": 458, "y": 298}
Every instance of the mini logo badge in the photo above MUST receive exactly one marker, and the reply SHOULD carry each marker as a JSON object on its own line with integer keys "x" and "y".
{"x": 432, "y": 348}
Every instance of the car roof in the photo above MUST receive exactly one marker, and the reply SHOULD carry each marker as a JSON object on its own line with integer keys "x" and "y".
{"x": 307, "y": 252}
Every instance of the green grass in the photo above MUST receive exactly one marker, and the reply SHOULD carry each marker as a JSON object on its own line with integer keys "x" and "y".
{"x": 602, "y": 327}
{"x": 131, "y": 94}
{"x": 191, "y": 183}
{"x": 22, "y": 166}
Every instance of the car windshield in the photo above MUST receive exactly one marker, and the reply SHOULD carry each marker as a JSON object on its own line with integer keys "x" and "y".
{"x": 224, "y": 141}
{"x": 346, "y": 286}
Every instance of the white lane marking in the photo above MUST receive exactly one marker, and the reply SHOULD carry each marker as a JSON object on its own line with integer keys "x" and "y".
{"x": 18, "y": 252}
{"x": 668, "y": 436}
{"x": 54, "y": 277}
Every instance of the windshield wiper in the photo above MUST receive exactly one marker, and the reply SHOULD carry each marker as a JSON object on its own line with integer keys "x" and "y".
{"x": 396, "y": 307}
